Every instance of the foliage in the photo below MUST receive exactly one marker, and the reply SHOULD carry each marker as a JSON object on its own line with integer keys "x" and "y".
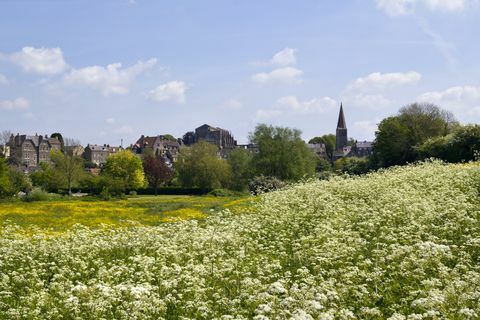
{"x": 169, "y": 137}
{"x": 68, "y": 169}
{"x": 263, "y": 184}
{"x": 329, "y": 140}
{"x": 156, "y": 171}
{"x": 124, "y": 170}
{"x": 200, "y": 166}
{"x": 225, "y": 193}
{"x": 240, "y": 162}
{"x": 323, "y": 165}
{"x": 352, "y": 165}
{"x": 19, "y": 181}
{"x": 281, "y": 153}
{"x": 398, "y": 137}
{"x": 5, "y": 183}
{"x": 37, "y": 194}
{"x": 60, "y": 138}
{"x": 46, "y": 178}
{"x": 458, "y": 146}
{"x": 402, "y": 243}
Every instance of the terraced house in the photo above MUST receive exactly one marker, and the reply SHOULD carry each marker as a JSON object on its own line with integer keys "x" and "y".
{"x": 29, "y": 151}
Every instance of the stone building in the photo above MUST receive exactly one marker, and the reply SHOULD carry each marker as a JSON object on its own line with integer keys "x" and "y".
{"x": 319, "y": 149}
{"x": 222, "y": 138}
{"x": 160, "y": 145}
{"x": 29, "y": 151}
{"x": 98, "y": 154}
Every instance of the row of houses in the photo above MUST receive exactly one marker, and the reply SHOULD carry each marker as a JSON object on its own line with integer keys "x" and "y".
{"x": 29, "y": 151}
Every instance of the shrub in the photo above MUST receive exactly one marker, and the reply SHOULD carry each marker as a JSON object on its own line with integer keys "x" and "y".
{"x": 225, "y": 193}
{"x": 38, "y": 194}
{"x": 262, "y": 184}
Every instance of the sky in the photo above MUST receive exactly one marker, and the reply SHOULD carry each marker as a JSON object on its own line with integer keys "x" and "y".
{"x": 103, "y": 71}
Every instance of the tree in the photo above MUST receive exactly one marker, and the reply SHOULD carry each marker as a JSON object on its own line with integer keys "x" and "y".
{"x": 329, "y": 140}
{"x": 126, "y": 169}
{"x": 60, "y": 138}
{"x": 281, "y": 153}
{"x": 156, "y": 171}
{"x": 199, "y": 166}
{"x": 5, "y": 184}
{"x": 5, "y": 136}
{"x": 239, "y": 160}
{"x": 460, "y": 145}
{"x": 46, "y": 178}
{"x": 68, "y": 168}
{"x": 398, "y": 138}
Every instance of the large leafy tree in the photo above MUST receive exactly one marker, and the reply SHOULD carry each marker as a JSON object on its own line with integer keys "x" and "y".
{"x": 398, "y": 137}
{"x": 156, "y": 171}
{"x": 240, "y": 160}
{"x": 200, "y": 166}
{"x": 68, "y": 169}
{"x": 126, "y": 169}
{"x": 281, "y": 153}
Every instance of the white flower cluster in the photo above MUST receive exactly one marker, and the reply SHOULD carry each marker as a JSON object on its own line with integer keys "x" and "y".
{"x": 403, "y": 243}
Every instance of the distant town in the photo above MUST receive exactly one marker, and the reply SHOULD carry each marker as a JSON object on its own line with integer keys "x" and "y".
{"x": 28, "y": 151}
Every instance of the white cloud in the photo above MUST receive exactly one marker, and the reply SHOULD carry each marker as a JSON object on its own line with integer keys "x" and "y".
{"x": 264, "y": 114}
{"x": 285, "y": 57}
{"x": 365, "y": 130}
{"x": 110, "y": 120}
{"x": 316, "y": 105}
{"x": 111, "y": 79}
{"x": 233, "y": 104}
{"x": 170, "y": 91}
{"x": 280, "y": 75}
{"x": 380, "y": 81}
{"x": 39, "y": 60}
{"x": 16, "y": 104}
{"x": 406, "y": 7}
{"x": 372, "y": 101}
{"x": 464, "y": 99}
{"x": 3, "y": 79}
{"x": 396, "y": 7}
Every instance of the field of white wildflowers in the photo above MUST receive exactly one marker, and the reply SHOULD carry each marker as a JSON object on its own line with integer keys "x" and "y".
{"x": 399, "y": 244}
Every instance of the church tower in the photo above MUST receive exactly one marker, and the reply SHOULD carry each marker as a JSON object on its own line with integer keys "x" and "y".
{"x": 341, "y": 131}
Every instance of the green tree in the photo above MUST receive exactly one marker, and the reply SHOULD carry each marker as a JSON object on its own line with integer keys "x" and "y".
{"x": 68, "y": 169}
{"x": 59, "y": 136}
{"x": 240, "y": 160}
{"x": 329, "y": 140}
{"x": 126, "y": 170}
{"x": 46, "y": 178}
{"x": 460, "y": 145}
{"x": 156, "y": 171}
{"x": 398, "y": 138}
{"x": 199, "y": 166}
{"x": 281, "y": 153}
{"x": 5, "y": 184}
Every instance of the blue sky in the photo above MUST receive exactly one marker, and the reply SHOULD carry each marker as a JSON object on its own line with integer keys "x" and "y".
{"x": 101, "y": 71}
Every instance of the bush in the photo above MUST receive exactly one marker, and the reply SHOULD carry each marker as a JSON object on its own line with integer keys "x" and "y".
{"x": 38, "y": 194}
{"x": 225, "y": 193}
{"x": 263, "y": 184}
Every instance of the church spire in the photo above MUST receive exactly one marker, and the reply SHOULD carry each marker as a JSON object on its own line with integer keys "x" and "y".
{"x": 341, "y": 136}
{"x": 341, "y": 119}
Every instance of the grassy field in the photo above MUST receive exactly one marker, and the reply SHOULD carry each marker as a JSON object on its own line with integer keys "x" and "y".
{"x": 399, "y": 244}
{"x": 61, "y": 215}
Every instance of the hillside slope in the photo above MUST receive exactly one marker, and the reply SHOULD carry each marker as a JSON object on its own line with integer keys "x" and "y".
{"x": 402, "y": 242}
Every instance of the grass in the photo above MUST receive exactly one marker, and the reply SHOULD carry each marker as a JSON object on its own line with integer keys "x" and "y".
{"x": 144, "y": 210}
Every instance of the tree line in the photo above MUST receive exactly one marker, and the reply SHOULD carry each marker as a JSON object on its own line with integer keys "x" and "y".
{"x": 417, "y": 132}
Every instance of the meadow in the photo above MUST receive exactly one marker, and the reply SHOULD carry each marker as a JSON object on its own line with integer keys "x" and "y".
{"x": 61, "y": 215}
{"x": 402, "y": 243}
